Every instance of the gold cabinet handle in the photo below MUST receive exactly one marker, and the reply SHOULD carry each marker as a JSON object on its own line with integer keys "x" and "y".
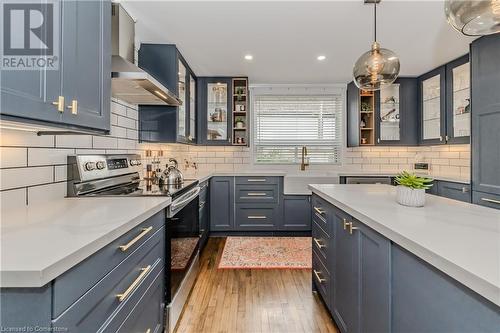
{"x": 255, "y": 180}
{"x": 440, "y": 138}
{"x": 127, "y": 292}
{"x": 446, "y": 138}
{"x": 491, "y": 200}
{"x": 59, "y": 104}
{"x": 257, "y": 217}
{"x": 318, "y": 243}
{"x": 136, "y": 239}
{"x": 465, "y": 190}
{"x": 346, "y": 224}
{"x": 74, "y": 106}
{"x": 320, "y": 279}
{"x": 256, "y": 194}
{"x": 148, "y": 330}
{"x": 319, "y": 210}
{"x": 351, "y": 228}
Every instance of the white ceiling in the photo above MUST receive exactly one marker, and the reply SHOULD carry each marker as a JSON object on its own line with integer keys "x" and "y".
{"x": 285, "y": 37}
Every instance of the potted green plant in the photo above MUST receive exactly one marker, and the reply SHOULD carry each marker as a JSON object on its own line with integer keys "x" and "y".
{"x": 411, "y": 189}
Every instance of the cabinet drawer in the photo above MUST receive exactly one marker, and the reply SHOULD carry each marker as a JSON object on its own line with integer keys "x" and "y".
{"x": 320, "y": 241}
{"x": 257, "y": 193}
{"x": 146, "y": 315}
{"x": 321, "y": 278}
{"x": 252, "y": 217}
{"x": 455, "y": 191}
{"x": 486, "y": 199}
{"x": 117, "y": 291}
{"x": 321, "y": 213}
{"x": 257, "y": 180}
{"x": 74, "y": 283}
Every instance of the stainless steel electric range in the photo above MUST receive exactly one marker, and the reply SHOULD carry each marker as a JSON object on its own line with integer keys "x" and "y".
{"x": 119, "y": 175}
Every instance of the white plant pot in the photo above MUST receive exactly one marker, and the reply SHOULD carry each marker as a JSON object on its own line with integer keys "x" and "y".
{"x": 409, "y": 197}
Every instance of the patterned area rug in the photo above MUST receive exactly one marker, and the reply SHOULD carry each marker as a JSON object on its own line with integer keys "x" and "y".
{"x": 267, "y": 253}
{"x": 182, "y": 249}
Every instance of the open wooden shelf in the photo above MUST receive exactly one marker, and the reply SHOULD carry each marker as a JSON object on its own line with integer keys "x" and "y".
{"x": 240, "y": 108}
{"x": 367, "y": 115}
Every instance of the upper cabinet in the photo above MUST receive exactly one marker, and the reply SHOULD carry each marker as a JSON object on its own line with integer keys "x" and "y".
{"x": 458, "y": 104}
{"x": 75, "y": 96}
{"x": 485, "y": 121}
{"x": 223, "y": 110}
{"x": 445, "y": 103}
{"x": 432, "y": 106}
{"x": 385, "y": 117}
{"x": 168, "y": 124}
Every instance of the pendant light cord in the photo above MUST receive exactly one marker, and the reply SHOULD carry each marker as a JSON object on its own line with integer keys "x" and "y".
{"x": 375, "y": 20}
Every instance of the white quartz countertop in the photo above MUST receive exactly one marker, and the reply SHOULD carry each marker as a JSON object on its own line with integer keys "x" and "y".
{"x": 38, "y": 243}
{"x": 458, "y": 238}
{"x": 205, "y": 176}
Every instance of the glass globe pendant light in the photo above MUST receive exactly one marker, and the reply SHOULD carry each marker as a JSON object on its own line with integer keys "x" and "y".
{"x": 473, "y": 18}
{"x": 378, "y": 67}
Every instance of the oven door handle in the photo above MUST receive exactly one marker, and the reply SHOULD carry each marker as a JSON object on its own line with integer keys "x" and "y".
{"x": 176, "y": 205}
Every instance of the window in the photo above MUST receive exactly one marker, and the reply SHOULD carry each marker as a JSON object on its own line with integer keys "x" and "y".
{"x": 283, "y": 124}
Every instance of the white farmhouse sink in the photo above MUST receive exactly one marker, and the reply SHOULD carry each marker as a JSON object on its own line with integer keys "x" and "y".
{"x": 297, "y": 183}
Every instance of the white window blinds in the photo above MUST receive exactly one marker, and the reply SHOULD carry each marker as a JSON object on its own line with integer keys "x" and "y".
{"x": 283, "y": 124}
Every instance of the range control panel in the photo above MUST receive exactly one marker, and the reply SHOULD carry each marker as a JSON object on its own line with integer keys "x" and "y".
{"x": 90, "y": 167}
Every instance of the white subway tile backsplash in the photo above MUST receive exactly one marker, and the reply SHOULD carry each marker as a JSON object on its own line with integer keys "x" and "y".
{"x": 46, "y": 156}
{"x": 60, "y": 173}
{"x": 13, "y": 157}
{"x": 24, "y": 139}
{"x": 118, "y": 132}
{"x": 23, "y": 177}
{"x": 126, "y": 122}
{"x": 119, "y": 109}
{"x": 131, "y": 113}
{"x": 73, "y": 141}
{"x": 13, "y": 199}
{"x": 104, "y": 142}
{"x": 46, "y": 193}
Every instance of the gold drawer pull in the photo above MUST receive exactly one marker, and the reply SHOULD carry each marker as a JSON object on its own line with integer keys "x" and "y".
{"x": 318, "y": 243}
{"x": 320, "y": 279}
{"x": 256, "y": 180}
{"x": 346, "y": 224}
{"x": 491, "y": 200}
{"x": 260, "y": 217}
{"x": 148, "y": 331}
{"x": 74, "y": 106}
{"x": 351, "y": 228}
{"x": 256, "y": 194}
{"x": 127, "y": 292}
{"x": 59, "y": 104}
{"x": 136, "y": 239}
{"x": 319, "y": 210}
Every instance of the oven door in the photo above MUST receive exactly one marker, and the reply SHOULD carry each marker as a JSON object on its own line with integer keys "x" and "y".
{"x": 183, "y": 238}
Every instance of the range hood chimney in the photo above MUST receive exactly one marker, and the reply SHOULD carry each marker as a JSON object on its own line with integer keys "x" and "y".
{"x": 128, "y": 82}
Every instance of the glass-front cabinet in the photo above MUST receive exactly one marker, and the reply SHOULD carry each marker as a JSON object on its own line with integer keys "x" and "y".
{"x": 458, "y": 101}
{"x": 215, "y": 113}
{"x": 389, "y": 128}
{"x": 182, "y": 109}
{"x": 192, "y": 109}
{"x": 432, "y": 107}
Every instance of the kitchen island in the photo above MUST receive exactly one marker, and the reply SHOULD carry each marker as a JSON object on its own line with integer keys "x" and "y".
{"x": 405, "y": 269}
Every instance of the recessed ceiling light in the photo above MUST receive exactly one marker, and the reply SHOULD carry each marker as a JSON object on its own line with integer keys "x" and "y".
{"x": 248, "y": 57}
{"x": 321, "y": 57}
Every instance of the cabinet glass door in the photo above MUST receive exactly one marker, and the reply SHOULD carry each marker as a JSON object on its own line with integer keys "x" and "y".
{"x": 192, "y": 108}
{"x": 461, "y": 100}
{"x": 217, "y": 108}
{"x": 431, "y": 108}
{"x": 181, "y": 114}
{"x": 389, "y": 113}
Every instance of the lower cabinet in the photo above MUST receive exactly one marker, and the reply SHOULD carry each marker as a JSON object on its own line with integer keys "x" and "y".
{"x": 456, "y": 191}
{"x": 257, "y": 204}
{"x": 370, "y": 284}
{"x": 112, "y": 291}
{"x": 203, "y": 216}
{"x": 222, "y": 204}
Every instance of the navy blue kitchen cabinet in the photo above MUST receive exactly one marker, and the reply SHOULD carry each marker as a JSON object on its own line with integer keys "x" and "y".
{"x": 296, "y": 213}
{"x": 396, "y": 113}
{"x": 222, "y": 204}
{"x": 452, "y": 190}
{"x": 169, "y": 124}
{"x": 96, "y": 294}
{"x": 76, "y": 96}
{"x": 353, "y": 115}
{"x": 215, "y": 110}
{"x": 485, "y": 121}
{"x": 427, "y": 300}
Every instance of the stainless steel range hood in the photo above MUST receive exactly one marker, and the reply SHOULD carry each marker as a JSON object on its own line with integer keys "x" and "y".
{"x": 128, "y": 82}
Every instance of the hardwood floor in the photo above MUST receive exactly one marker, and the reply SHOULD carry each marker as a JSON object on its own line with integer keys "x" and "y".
{"x": 251, "y": 301}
